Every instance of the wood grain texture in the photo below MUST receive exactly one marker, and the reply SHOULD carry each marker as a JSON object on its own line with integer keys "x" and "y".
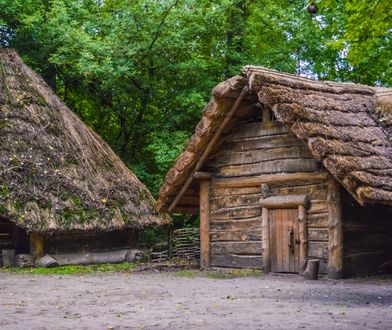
{"x": 237, "y": 261}
{"x": 205, "y": 261}
{"x": 266, "y": 242}
{"x": 37, "y": 245}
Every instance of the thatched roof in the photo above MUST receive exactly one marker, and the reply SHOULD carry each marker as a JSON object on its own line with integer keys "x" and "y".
{"x": 56, "y": 174}
{"x": 346, "y": 126}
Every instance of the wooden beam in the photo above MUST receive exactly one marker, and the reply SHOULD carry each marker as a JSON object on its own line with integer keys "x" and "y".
{"x": 285, "y": 202}
{"x": 202, "y": 175}
{"x": 265, "y": 243}
{"x": 205, "y": 244}
{"x": 335, "y": 243}
{"x": 37, "y": 249}
{"x": 209, "y": 147}
{"x": 267, "y": 115}
{"x": 303, "y": 239}
{"x": 254, "y": 181}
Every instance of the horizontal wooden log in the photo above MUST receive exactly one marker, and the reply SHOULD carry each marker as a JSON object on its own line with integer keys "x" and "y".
{"x": 259, "y": 129}
{"x": 318, "y": 250}
{"x": 317, "y": 192}
{"x": 234, "y": 201}
{"x": 319, "y": 220}
{"x": 237, "y": 261}
{"x": 238, "y": 235}
{"x": 89, "y": 258}
{"x": 202, "y": 175}
{"x": 224, "y": 157}
{"x": 219, "y": 192}
{"x": 244, "y": 248}
{"x": 243, "y": 212}
{"x": 265, "y": 142}
{"x": 318, "y": 234}
{"x": 268, "y": 167}
{"x": 285, "y": 202}
{"x": 253, "y": 181}
{"x": 317, "y": 206}
{"x": 236, "y": 225}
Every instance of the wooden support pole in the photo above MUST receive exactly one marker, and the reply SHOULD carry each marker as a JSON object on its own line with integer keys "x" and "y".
{"x": 303, "y": 238}
{"x": 205, "y": 261}
{"x": 209, "y": 147}
{"x": 37, "y": 249}
{"x": 265, "y": 241}
{"x": 267, "y": 115}
{"x": 335, "y": 243}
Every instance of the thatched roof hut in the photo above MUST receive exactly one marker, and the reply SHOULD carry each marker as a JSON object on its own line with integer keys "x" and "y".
{"x": 56, "y": 174}
{"x": 348, "y": 127}
{"x": 283, "y": 169}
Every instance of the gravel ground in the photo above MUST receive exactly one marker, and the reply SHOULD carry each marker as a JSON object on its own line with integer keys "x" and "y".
{"x": 168, "y": 301}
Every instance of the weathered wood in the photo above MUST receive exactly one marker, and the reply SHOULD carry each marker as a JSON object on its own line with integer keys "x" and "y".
{"x": 209, "y": 147}
{"x": 259, "y": 129}
{"x": 253, "y": 181}
{"x": 243, "y": 212}
{"x": 8, "y": 256}
{"x": 236, "y": 225}
{"x": 37, "y": 248}
{"x": 47, "y": 261}
{"x": 318, "y": 234}
{"x": 240, "y": 235}
{"x": 24, "y": 260}
{"x": 317, "y": 206}
{"x": 266, "y": 241}
{"x": 232, "y": 158}
{"x": 335, "y": 246}
{"x": 219, "y": 192}
{"x": 243, "y": 247}
{"x": 312, "y": 268}
{"x": 319, "y": 220}
{"x": 89, "y": 258}
{"x": 292, "y": 165}
{"x": 237, "y": 261}
{"x": 202, "y": 175}
{"x": 318, "y": 250}
{"x": 233, "y": 201}
{"x": 317, "y": 192}
{"x": 205, "y": 261}
{"x": 364, "y": 262}
{"x": 267, "y": 115}
{"x": 303, "y": 238}
{"x": 285, "y": 202}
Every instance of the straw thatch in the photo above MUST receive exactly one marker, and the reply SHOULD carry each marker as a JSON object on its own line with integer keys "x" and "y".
{"x": 346, "y": 126}
{"x": 55, "y": 173}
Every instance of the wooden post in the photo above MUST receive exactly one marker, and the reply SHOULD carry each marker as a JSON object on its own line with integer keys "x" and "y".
{"x": 265, "y": 241}
{"x": 205, "y": 261}
{"x": 36, "y": 245}
{"x": 267, "y": 115}
{"x": 335, "y": 243}
{"x": 303, "y": 238}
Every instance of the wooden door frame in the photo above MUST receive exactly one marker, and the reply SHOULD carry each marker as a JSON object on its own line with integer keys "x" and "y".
{"x": 301, "y": 202}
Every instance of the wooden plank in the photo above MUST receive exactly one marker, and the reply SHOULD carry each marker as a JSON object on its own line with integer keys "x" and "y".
{"x": 318, "y": 234}
{"x": 233, "y": 225}
{"x": 317, "y": 192}
{"x": 261, "y": 143}
{"x": 225, "y": 158}
{"x": 285, "y": 202}
{"x": 243, "y": 212}
{"x": 205, "y": 261}
{"x": 319, "y": 220}
{"x": 244, "y": 247}
{"x": 219, "y": 192}
{"x": 37, "y": 248}
{"x": 296, "y": 239}
{"x": 241, "y": 235}
{"x": 259, "y": 129}
{"x": 318, "y": 206}
{"x": 335, "y": 246}
{"x": 234, "y": 201}
{"x": 303, "y": 239}
{"x": 254, "y": 181}
{"x": 266, "y": 242}
{"x": 318, "y": 250}
{"x": 268, "y": 167}
{"x": 279, "y": 240}
{"x": 273, "y": 241}
{"x": 237, "y": 261}
{"x": 202, "y": 175}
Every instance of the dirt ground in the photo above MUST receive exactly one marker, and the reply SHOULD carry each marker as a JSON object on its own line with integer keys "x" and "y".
{"x": 170, "y": 301}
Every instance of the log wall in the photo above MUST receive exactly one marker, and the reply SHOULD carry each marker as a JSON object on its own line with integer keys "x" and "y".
{"x": 235, "y": 213}
{"x": 367, "y": 233}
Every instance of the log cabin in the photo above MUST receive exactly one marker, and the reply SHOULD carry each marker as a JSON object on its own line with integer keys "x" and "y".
{"x": 62, "y": 189}
{"x": 283, "y": 169}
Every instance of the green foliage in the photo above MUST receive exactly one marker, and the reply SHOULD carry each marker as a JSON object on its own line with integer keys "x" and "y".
{"x": 72, "y": 270}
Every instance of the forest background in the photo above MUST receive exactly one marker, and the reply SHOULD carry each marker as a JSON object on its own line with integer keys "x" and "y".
{"x": 139, "y": 72}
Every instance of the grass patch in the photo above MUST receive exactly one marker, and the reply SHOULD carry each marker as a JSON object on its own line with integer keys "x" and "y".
{"x": 72, "y": 270}
{"x": 220, "y": 274}
{"x": 185, "y": 273}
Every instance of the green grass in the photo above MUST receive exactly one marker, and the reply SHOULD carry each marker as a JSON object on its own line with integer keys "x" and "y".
{"x": 72, "y": 270}
{"x": 219, "y": 274}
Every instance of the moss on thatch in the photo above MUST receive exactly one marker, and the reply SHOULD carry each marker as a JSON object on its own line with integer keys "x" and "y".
{"x": 346, "y": 126}
{"x": 56, "y": 174}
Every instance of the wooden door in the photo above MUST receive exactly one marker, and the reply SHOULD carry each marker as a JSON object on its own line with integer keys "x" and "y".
{"x": 284, "y": 240}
